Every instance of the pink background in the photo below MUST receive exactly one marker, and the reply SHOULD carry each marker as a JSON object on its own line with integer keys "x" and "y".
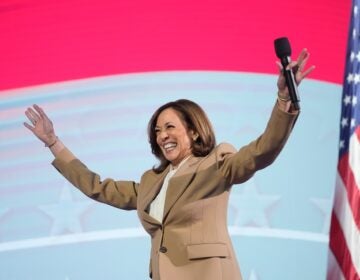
{"x": 49, "y": 41}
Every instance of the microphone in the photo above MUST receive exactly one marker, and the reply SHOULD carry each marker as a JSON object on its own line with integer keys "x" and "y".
{"x": 283, "y": 52}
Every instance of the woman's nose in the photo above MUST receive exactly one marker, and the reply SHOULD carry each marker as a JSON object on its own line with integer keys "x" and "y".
{"x": 163, "y": 135}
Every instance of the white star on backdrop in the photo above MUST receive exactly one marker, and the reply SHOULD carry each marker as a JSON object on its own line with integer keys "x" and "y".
{"x": 250, "y": 206}
{"x": 66, "y": 214}
{"x": 325, "y": 206}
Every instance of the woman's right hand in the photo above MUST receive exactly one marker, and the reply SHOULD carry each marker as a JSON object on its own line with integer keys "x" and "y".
{"x": 42, "y": 126}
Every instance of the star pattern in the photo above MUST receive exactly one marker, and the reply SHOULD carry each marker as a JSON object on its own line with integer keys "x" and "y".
{"x": 352, "y": 123}
{"x": 66, "y": 214}
{"x": 344, "y": 122}
{"x": 341, "y": 144}
{"x": 251, "y": 207}
{"x": 354, "y": 55}
{"x": 347, "y": 99}
{"x": 350, "y": 113}
{"x": 354, "y": 100}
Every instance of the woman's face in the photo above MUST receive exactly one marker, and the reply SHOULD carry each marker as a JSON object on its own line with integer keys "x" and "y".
{"x": 172, "y": 136}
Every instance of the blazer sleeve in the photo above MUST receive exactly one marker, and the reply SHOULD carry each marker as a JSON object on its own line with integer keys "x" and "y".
{"x": 239, "y": 166}
{"x": 120, "y": 194}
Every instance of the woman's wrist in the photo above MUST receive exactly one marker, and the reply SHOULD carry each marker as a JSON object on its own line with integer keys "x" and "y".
{"x": 283, "y": 96}
{"x": 52, "y": 141}
{"x": 283, "y": 101}
{"x": 56, "y": 147}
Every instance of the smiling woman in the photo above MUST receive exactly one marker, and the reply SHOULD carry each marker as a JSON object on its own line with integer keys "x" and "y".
{"x": 183, "y": 203}
{"x": 173, "y": 137}
{"x": 177, "y": 205}
{"x": 101, "y": 68}
{"x": 184, "y": 121}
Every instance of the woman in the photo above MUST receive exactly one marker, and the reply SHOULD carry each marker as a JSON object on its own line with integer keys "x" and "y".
{"x": 182, "y": 203}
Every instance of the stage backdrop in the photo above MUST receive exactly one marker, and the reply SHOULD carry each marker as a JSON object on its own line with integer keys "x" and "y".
{"x": 101, "y": 68}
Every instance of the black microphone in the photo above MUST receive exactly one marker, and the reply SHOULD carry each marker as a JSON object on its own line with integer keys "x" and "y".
{"x": 283, "y": 52}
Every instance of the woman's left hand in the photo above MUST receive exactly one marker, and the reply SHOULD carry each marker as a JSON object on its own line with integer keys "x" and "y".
{"x": 298, "y": 68}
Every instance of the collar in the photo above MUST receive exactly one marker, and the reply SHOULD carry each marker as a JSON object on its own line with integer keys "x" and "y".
{"x": 172, "y": 168}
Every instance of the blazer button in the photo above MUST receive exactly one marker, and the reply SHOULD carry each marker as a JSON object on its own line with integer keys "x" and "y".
{"x": 163, "y": 249}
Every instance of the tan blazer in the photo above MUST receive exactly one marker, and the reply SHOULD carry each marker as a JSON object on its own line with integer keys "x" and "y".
{"x": 192, "y": 242}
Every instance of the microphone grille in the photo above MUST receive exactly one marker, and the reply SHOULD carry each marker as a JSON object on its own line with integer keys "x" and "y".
{"x": 282, "y": 47}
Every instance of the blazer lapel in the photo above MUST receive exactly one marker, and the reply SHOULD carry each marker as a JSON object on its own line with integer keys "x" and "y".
{"x": 179, "y": 182}
{"x": 154, "y": 188}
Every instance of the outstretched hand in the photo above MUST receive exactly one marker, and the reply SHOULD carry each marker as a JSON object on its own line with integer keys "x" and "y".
{"x": 298, "y": 68}
{"x": 42, "y": 126}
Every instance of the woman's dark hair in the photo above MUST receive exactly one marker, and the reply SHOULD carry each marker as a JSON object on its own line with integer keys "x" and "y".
{"x": 195, "y": 119}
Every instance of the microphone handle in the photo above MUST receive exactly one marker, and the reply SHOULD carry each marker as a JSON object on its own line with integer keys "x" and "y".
{"x": 291, "y": 84}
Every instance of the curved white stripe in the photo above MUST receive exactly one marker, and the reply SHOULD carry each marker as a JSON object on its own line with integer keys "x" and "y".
{"x": 334, "y": 272}
{"x": 72, "y": 238}
{"x": 279, "y": 233}
{"x": 139, "y": 232}
{"x": 351, "y": 232}
{"x": 354, "y": 158}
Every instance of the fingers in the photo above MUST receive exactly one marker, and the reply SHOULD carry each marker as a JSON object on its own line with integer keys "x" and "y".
{"x": 297, "y": 67}
{"x": 294, "y": 66}
{"x": 303, "y": 58}
{"x": 308, "y": 71}
{"x": 32, "y": 116}
{"x": 40, "y": 111}
{"x": 301, "y": 63}
{"x": 303, "y": 55}
{"x": 36, "y": 115}
{"x": 300, "y": 73}
{"x": 29, "y": 127}
{"x": 298, "y": 64}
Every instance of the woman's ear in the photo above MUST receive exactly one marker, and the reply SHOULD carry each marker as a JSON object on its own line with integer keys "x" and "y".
{"x": 194, "y": 135}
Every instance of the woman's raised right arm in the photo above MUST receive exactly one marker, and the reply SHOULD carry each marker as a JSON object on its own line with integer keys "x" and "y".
{"x": 120, "y": 194}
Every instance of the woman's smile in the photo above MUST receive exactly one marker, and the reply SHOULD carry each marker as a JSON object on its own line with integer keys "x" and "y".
{"x": 172, "y": 136}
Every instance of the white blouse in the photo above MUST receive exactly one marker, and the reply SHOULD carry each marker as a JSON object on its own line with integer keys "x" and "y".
{"x": 158, "y": 204}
